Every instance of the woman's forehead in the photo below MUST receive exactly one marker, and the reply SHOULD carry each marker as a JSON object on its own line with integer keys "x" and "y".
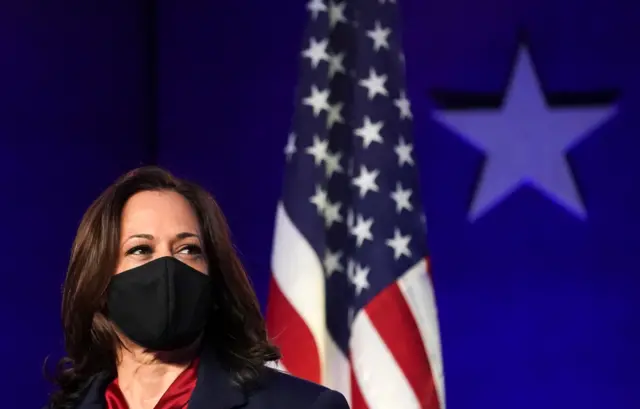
{"x": 158, "y": 212}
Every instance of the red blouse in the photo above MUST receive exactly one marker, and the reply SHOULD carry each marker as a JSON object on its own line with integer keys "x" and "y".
{"x": 176, "y": 397}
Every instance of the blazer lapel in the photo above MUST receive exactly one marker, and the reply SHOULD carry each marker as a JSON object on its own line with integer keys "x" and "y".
{"x": 214, "y": 388}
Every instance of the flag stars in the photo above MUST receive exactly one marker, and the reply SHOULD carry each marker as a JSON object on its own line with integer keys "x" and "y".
{"x": 336, "y": 64}
{"x": 379, "y": 36}
{"x": 366, "y": 181}
{"x": 374, "y": 84}
{"x": 319, "y": 150}
{"x": 399, "y": 244}
{"x": 369, "y": 132}
{"x": 315, "y": 7}
{"x": 331, "y": 262}
{"x": 332, "y": 163}
{"x": 402, "y": 198}
{"x": 319, "y": 199}
{"x": 332, "y": 214}
{"x": 360, "y": 278}
{"x": 316, "y": 52}
{"x": 318, "y": 100}
{"x": 362, "y": 230}
{"x": 290, "y": 148}
{"x": 403, "y": 150}
{"x": 404, "y": 105}
{"x": 334, "y": 115}
{"x": 336, "y": 13}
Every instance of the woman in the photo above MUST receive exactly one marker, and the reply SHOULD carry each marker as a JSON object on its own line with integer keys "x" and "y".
{"x": 158, "y": 312}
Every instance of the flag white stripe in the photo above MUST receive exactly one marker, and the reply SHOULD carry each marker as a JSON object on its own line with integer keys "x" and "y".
{"x": 338, "y": 369}
{"x": 300, "y": 276}
{"x": 417, "y": 289}
{"x": 381, "y": 380}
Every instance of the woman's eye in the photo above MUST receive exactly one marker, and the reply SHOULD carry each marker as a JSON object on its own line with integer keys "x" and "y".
{"x": 139, "y": 250}
{"x": 191, "y": 249}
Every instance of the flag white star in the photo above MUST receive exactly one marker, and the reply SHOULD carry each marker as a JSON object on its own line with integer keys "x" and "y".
{"x": 399, "y": 244}
{"x": 319, "y": 199}
{"x": 374, "y": 84}
{"x": 316, "y": 52}
{"x": 332, "y": 163}
{"x": 379, "y": 36}
{"x": 402, "y": 198}
{"x": 404, "y": 105}
{"x": 403, "y": 150}
{"x": 333, "y": 114}
{"x": 290, "y": 148}
{"x": 336, "y": 64}
{"x": 331, "y": 262}
{"x": 318, "y": 100}
{"x": 362, "y": 230}
{"x": 336, "y": 13}
{"x": 318, "y": 150}
{"x": 366, "y": 181}
{"x": 360, "y": 278}
{"x": 369, "y": 132}
{"x": 332, "y": 213}
{"x": 315, "y": 7}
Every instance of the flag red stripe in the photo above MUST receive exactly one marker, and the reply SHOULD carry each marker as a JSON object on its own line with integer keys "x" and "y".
{"x": 289, "y": 332}
{"x": 392, "y": 318}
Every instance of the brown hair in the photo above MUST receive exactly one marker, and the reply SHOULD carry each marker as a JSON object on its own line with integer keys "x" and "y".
{"x": 90, "y": 341}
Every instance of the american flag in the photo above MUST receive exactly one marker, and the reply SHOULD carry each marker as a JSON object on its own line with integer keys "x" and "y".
{"x": 351, "y": 303}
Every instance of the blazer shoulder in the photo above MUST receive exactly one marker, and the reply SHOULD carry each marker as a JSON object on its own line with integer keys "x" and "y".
{"x": 291, "y": 391}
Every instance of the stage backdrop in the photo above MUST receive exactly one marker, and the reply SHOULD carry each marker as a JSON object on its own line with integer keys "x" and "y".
{"x": 537, "y": 285}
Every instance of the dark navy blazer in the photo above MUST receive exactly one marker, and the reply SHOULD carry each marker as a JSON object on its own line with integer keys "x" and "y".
{"x": 214, "y": 390}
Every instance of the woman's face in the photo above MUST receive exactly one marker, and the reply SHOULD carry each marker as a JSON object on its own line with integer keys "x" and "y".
{"x": 158, "y": 224}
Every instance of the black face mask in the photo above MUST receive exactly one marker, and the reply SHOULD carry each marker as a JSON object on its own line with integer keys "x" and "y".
{"x": 161, "y": 305}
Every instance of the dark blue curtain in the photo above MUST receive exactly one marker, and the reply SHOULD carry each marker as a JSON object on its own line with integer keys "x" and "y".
{"x": 537, "y": 308}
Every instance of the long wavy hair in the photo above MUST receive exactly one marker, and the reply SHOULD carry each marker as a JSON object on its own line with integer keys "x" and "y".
{"x": 91, "y": 342}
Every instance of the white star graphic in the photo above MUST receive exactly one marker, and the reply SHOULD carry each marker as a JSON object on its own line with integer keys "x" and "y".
{"x": 399, "y": 244}
{"x": 332, "y": 213}
{"x": 369, "y": 132}
{"x": 403, "y": 150}
{"x": 332, "y": 163}
{"x": 379, "y": 36}
{"x": 331, "y": 262}
{"x": 361, "y": 278}
{"x": 366, "y": 181}
{"x": 318, "y": 150}
{"x": 290, "y": 148}
{"x": 526, "y": 142}
{"x": 362, "y": 230}
{"x": 336, "y": 64}
{"x": 318, "y": 100}
{"x": 402, "y": 198}
{"x": 316, "y": 52}
{"x": 319, "y": 199}
{"x": 315, "y": 7}
{"x": 374, "y": 84}
{"x": 404, "y": 105}
{"x": 336, "y": 13}
{"x": 333, "y": 114}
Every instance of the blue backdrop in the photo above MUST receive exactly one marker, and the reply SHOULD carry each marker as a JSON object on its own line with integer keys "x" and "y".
{"x": 537, "y": 308}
